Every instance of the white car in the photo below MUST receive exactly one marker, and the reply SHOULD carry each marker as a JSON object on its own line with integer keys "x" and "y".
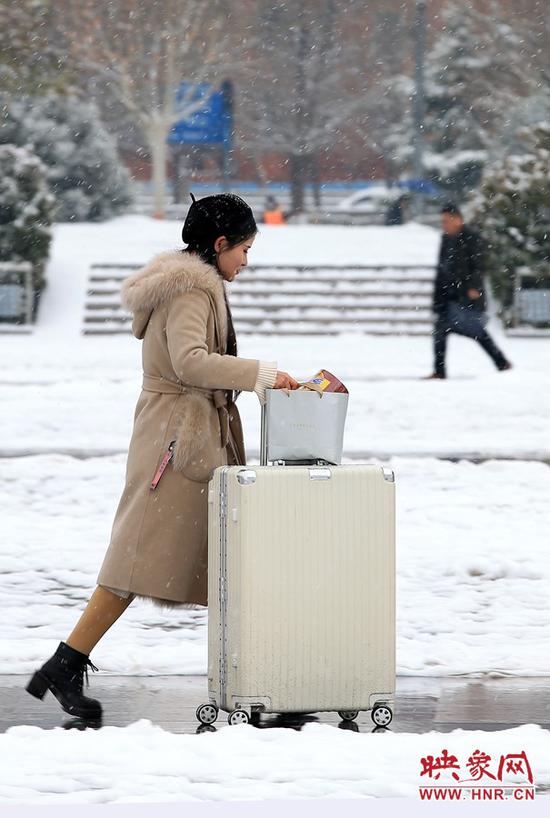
{"x": 371, "y": 199}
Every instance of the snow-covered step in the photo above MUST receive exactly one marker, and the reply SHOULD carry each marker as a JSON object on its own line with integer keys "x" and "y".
{"x": 108, "y": 272}
{"x": 299, "y": 299}
{"x": 261, "y": 280}
{"x": 114, "y": 316}
{"x": 290, "y": 314}
{"x": 282, "y": 301}
{"x": 298, "y": 289}
{"x": 297, "y": 316}
{"x": 315, "y": 327}
{"x": 354, "y": 313}
{"x": 336, "y": 274}
{"x": 101, "y": 309}
{"x": 338, "y": 287}
{"x": 294, "y": 329}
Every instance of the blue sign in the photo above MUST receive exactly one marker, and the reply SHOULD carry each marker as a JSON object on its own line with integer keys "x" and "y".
{"x": 212, "y": 121}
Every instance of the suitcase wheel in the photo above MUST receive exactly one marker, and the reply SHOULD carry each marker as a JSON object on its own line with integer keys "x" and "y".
{"x": 381, "y": 715}
{"x": 238, "y": 717}
{"x": 207, "y": 713}
{"x": 348, "y": 715}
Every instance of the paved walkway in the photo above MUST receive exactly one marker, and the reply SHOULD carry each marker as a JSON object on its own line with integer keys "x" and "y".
{"x": 422, "y": 704}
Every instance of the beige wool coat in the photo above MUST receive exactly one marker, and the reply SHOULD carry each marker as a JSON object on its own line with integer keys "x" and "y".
{"x": 159, "y": 543}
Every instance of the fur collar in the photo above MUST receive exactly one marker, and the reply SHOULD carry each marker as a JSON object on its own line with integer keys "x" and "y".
{"x": 166, "y": 276}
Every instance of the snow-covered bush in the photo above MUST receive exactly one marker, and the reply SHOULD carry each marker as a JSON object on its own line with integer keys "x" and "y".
{"x": 513, "y": 211}
{"x": 84, "y": 172}
{"x": 26, "y": 210}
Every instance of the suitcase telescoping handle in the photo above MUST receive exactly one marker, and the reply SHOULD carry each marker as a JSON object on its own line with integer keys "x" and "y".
{"x": 263, "y": 437}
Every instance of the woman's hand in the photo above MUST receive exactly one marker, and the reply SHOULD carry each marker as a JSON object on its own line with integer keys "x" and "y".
{"x": 285, "y": 381}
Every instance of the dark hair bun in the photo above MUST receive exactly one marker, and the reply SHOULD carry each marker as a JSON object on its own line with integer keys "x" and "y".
{"x": 224, "y": 214}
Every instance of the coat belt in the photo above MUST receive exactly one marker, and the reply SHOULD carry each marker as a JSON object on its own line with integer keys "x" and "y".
{"x": 218, "y": 397}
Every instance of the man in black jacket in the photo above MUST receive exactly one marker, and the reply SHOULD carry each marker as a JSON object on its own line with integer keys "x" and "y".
{"x": 459, "y": 298}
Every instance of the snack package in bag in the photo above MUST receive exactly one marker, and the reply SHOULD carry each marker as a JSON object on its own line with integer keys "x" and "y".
{"x": 325, "y": 381}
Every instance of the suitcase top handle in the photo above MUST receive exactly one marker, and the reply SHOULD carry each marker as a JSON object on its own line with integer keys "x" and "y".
{"x": 320, "y": 474}
{"x": 246, "y": 477}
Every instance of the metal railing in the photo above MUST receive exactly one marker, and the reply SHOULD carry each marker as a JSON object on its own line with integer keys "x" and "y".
{"x": 531, "y": 301}
{"x": 16, "y": 292}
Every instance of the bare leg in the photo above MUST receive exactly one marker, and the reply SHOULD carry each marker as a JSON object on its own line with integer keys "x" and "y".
{"x": 102, "y": 611}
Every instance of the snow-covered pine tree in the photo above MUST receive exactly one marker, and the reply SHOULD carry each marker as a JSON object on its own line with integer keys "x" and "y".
{"x": 475, "y": 72}
{"x": 528, "y": 112}
{"x": 26, "y": 210}
{"x": 513, "y": 211}
{"x": 84, "y": 171}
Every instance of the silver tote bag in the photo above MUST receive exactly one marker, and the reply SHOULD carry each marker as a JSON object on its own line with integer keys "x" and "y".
{"x": 304, "y": 425}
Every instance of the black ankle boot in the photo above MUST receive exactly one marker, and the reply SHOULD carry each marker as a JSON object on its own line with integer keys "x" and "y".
{"x": 64, "y": 674}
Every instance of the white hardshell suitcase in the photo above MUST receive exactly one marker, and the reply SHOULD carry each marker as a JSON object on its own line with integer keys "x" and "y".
{"x": 301, "y": 591}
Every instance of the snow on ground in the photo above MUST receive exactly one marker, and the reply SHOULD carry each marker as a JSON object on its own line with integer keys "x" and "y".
{"x": 473, "y": 578}
{"x": 144, "y": 763}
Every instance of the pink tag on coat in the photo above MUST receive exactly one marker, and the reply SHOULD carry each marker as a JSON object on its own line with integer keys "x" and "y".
{"x": 160, "y": 471}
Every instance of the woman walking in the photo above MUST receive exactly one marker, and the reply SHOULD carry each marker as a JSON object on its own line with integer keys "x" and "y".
{"x": 186, "y": 424}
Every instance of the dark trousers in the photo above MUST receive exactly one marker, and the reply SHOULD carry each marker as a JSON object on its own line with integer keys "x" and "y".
{"x": 463, "y": 321}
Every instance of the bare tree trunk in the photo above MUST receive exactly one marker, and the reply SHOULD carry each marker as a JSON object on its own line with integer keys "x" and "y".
{"x": 298, "y": 160}
{"x": 159, "y": 154}
{"x": 175, "y": 168}
{"x": 315, "y": 179}
{"x": 297, "y": 168}
{"x": 182, "y": 175}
